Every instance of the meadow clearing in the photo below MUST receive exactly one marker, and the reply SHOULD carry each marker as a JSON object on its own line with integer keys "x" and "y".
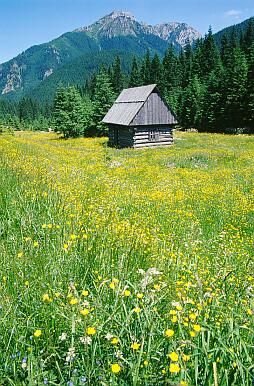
{"x": 126, "y": 267}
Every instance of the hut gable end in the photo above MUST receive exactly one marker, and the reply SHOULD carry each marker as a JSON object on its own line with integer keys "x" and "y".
{"x": 140, "y": 117}
{"x": 154, "y": 112}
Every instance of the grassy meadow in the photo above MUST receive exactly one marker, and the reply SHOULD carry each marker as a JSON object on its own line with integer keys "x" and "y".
{"x": 126, "y": 267}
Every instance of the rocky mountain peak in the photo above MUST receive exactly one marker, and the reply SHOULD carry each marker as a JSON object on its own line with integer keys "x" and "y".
{"x": 120, "y": 23}
{"x": 116, "y": 14}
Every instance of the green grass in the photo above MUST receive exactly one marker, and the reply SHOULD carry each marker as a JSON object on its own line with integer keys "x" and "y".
{"x": 173, "y": 226}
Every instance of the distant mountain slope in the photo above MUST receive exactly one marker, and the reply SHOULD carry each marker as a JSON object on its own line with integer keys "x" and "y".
{"x": 118, "y": 31}
{"x": 77, "y": 72}
{"x": 239, "y": 28}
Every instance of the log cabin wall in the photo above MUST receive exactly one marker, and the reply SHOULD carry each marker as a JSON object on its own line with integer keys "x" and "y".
{"x": 150, "y": 136}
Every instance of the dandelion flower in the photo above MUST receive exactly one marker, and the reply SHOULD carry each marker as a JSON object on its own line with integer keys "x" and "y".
{"x": 85, "y": 293}
{"x": 115, "y": 341}
{"x": 46, "y": 298}
{"x": 112, "y": 285}
{"x": 37, "y": 333}
{"x": 174, "y": 319}
{"x": 137, "y": 310}
{"x": 186, "y": 358}
{"x": 174, "y": 368}
{"x": 173, "y": 356}
{"x": 126, "y": 293}
{"x": 73, "y": 301}
{"x": 115, "y": 368}
{"x": 91, "y": 330}
{"x": 169, "y": 332}
{"x": 193, "y": 316}
{"x": 196, "y": 327}
{"x": 84, "y": 312}
{"x": 146, "y": 363}
{"x": 140, "y": 295}
{"x": 135, "y": 346}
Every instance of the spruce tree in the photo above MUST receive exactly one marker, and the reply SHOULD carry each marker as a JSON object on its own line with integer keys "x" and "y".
{"x": 156, "y": 72}
{"x": 117, "y": 76}
{"x": 211, "y": 117}
{"x": 68, "y": 112}
{"x": 249, "y": 93}
{"x": 233, "y": 90}
{"x": 171, "y": 70}
{"x": 190, "y": 111}
{"x": 134, "y": 80}
{"x": 145, "y": 72}
{"x": 102, "y": 100}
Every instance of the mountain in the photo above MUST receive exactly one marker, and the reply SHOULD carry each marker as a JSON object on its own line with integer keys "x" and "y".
{"x": 88, "y": 47}
{"x": 238, "y": 29}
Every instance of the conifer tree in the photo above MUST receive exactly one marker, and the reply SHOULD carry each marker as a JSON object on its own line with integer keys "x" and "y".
{"x": 102, "y": 100}
{"x": 211, "y": 117}
{"x": 68, "y": 112}
{"x": 134, "y": 80}
{"x": 190, "y": 111}
{"x": 117, "y": 76}
{"x": 156, "y": 71}
{"x": 249, "y": 93}
{"x": 233, "y": 91}
{"x": 171, "y": 70}
{"x": 145, "y": 72}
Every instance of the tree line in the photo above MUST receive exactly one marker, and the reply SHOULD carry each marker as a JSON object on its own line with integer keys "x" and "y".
{"x": 209, "y": 88}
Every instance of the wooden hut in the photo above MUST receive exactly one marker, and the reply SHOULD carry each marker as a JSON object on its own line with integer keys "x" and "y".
{"x": 140, "y": 117}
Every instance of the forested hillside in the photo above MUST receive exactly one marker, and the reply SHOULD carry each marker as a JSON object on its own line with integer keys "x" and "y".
{"x": 210, "y": 87}
{"x": 116, "y": 32}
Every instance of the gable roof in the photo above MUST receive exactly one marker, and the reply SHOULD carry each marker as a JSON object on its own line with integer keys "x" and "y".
{"x": 128, "y": 104}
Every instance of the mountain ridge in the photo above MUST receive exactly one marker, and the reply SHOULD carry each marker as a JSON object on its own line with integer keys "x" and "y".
{"x": 118, "y": 31}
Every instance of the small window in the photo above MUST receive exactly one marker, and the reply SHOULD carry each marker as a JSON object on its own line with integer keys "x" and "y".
{"x": 154, "y": 136}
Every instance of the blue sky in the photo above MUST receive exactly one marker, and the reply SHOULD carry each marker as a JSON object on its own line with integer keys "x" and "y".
{"x": 24, "y": 23}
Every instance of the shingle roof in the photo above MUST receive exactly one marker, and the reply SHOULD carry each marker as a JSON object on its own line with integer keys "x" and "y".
{"x": 128, "y": 104}
{"x": 135, "y": 94}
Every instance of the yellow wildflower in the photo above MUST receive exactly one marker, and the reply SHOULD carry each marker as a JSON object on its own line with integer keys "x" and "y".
{"x": 115, "y": 368}
{"x": 73, "y": 301}
{"x": 169, "y": 332}
{"x": 174, "y": 368}
{"x": 186, "y": 357}
{"x": 127, "y": 293}
{"x": 173, "y": 356}
{"x": 84, "y": 312}
{"x": 37, "y": 333}
{"x": 114, "y": 340}
{"x": 85, "y": 293}
{"x": 46, "y": 298}
{"x": 140, "y": 295}
{"x": 90, "y": 331}
{"x": 137, "y": 310}
{"x": 193, "y": 316}
{"x": 135, "y": 346}
{"x": 196, "y": 327}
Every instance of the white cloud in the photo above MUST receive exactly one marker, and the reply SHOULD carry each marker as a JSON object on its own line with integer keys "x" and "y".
{"x": 233, "y": 13}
